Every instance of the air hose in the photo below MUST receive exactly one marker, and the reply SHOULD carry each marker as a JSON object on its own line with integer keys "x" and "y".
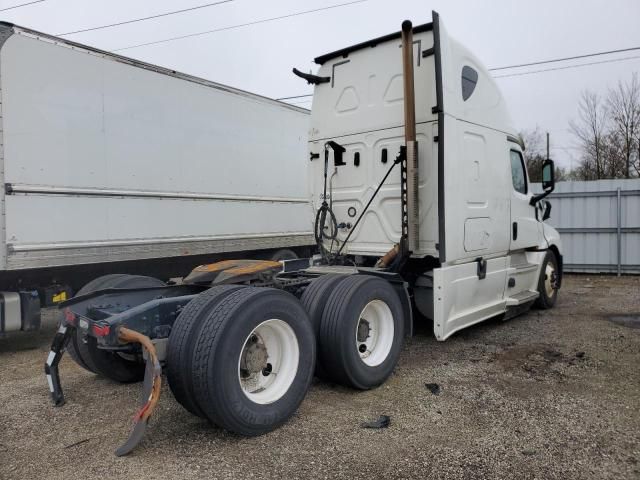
{"x": 321, "y": 215}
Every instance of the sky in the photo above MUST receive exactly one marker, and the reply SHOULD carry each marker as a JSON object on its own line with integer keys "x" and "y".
{"x": 259, "y": 57}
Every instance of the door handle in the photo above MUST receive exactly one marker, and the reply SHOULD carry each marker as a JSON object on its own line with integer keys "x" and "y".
{"x": 515, "y": 230}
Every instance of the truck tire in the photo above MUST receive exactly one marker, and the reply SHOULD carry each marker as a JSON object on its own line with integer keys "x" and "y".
{"x": 284, "y": 254}
{"x": 316, "y": 295}
{"x": 548, "y": 281}
{"x": 248, "y": 337}
{"x": 361, "y": 332}
{"x": 86, "y": 353}
{"x": 313, "y": 301}
{"x": 182, "y": 340}
{"x": 76, "y": 347}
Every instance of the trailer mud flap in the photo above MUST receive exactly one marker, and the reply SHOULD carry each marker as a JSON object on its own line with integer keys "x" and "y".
{"x": 150, "y": 389}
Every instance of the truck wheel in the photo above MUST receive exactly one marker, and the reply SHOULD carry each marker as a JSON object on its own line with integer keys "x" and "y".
{"x": 85, "y": 351}
{"x": 548, "y": 282}
{"x": 253, "y": 360}
{"x": 315, "y": 297}
{"x": 77, "y": 347}
{"x": 314, "y": 300}
{"x": 284, "y": 254}
{"x": 181, "y": 344}
{"x": 361, "y": 332}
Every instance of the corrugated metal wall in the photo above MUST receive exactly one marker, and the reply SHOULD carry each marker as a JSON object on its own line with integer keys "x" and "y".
{"x": 599, "y": 223}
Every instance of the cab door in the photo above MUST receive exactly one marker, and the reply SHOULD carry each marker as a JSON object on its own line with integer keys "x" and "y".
{"x": 525, "y": 228}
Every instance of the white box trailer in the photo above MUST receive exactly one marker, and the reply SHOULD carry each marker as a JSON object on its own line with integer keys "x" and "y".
{"x": 108, "y": 159}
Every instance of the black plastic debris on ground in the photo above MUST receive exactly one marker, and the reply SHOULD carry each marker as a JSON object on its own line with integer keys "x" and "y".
{"x": 433, "y": 388}
{"x": 383, "y": 421}
{"x": 631, "y": 320}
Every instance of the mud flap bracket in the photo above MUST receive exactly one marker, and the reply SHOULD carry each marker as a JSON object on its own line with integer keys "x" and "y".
{"x": 63, "y": 334}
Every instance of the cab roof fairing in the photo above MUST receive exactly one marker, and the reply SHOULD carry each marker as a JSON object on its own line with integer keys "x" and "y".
{"x": 486, "y": 105}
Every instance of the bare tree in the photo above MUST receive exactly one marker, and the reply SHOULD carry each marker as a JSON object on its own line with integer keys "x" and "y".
{"x": 590, "y": 130}
{"x": 534, "y": 153}
{"x": 624, "y": 105}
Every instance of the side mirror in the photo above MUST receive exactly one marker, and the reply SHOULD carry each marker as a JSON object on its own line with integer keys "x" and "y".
{"x": 548, "y": 178}
{"x": 548, "y": 182}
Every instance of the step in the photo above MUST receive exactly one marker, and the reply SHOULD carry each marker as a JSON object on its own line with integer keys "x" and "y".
{"x": 521, "y": 298}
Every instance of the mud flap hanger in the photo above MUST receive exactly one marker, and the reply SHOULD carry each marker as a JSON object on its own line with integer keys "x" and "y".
{"x": 150, "y": 389}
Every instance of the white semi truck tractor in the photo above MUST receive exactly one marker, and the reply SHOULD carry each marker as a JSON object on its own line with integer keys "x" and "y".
{"x": 423, "y": 209}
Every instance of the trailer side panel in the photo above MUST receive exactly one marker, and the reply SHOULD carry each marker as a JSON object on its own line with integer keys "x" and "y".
{"x": 109, "y": 160}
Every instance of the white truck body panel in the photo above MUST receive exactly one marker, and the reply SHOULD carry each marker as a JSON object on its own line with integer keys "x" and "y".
{"x": 486, "y": 237}
{"x": 109, "y": 159}
{"x": 362, "y": 109}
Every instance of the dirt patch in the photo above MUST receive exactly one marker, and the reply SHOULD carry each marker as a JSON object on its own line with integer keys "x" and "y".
{"x": 538, "y": 360}
{"x": 551, "y": 394}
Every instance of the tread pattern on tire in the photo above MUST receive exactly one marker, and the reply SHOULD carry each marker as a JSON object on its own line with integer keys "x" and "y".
{"x": 315, "y": 297}
{"x": 205, "y": 346}
{"x": 217, "y": 408}
{"x": 181, "y": 341}
{"x": 330, "y": 327}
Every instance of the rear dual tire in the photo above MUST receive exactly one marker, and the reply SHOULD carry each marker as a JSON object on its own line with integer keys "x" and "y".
{"x": 361, "y": 332}
{"x": 182, "y": 339}
{"x": 252, "y": 359}
{"x": 84, "y": 350}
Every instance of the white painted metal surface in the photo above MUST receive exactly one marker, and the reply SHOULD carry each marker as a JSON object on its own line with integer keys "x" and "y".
{"x": 110, "y": 159}
{"x": 374, "y": 333}
{"x": 486, "y": 219}
{"x": 587, "y": 214}
{"x": 362, "y": 109}
{"x": 269, "y": 361}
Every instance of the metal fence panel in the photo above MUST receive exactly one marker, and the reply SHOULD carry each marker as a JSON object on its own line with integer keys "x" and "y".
{"x": 599, "y": 223}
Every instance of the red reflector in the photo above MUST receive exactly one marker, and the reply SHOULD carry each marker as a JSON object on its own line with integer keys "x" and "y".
{"x": 69, "y": 316}
{"x": 101, "y": 331}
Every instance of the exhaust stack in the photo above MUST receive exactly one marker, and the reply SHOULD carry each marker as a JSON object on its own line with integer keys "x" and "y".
{"x": 410, "y": 216}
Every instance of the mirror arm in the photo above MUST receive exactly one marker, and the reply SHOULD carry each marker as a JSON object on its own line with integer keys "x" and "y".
{"x": 539, "y": 196}
{"x": 536, "y": 198}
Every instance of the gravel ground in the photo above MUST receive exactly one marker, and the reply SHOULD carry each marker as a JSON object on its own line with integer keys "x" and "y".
{"x": 550, "y": 394}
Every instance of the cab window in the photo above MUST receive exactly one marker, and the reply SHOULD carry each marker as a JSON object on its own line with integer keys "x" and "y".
{"x": 518, "y": 175}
